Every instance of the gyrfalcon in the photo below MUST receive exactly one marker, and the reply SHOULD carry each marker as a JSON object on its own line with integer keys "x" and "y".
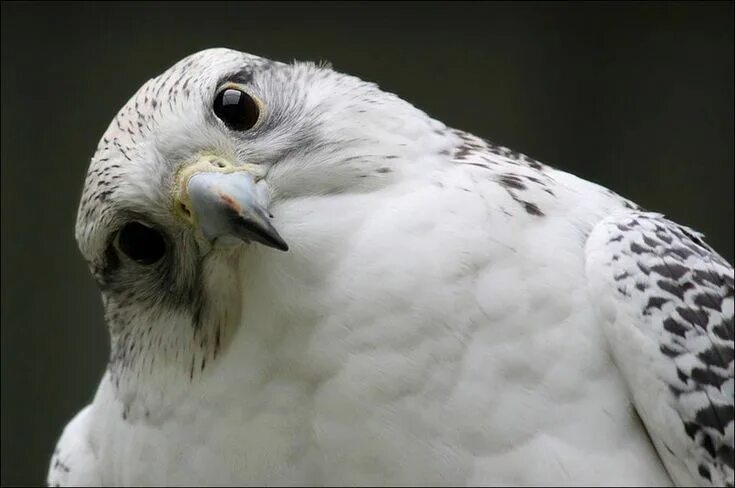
{"x": 309, "y": 281}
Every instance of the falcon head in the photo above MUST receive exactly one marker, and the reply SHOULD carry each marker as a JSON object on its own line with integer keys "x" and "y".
{"x": 207, "y": 168}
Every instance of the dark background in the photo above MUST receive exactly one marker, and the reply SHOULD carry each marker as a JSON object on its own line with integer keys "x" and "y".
{"x": 636, "y": 96}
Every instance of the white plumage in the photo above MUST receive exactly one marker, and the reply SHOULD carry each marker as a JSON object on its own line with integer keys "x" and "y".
{"x": 449, "y": 312}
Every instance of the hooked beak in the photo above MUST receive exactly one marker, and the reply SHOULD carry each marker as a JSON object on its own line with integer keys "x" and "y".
{"x": 224, "y": 200}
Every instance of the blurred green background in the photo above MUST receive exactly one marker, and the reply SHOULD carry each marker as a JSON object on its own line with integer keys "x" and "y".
{"x": 636, "y": 96}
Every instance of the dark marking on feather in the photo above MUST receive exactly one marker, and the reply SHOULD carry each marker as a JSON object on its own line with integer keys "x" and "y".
{"x": 717, "y": 417}
{"x": 675, "y": 327}
{"x": 672, "y": 271}
{"x": 696, "y": 317}
{"x": 655, "y": 302}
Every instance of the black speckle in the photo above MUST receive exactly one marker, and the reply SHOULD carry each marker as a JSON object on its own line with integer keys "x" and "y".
{"x": 534, "y": 164}
{"x": 680, "y": 252}
{"x": 664, "y": 236}
{"x": 703, "y": 277}
{"x": 691, "y": 429}
{"x": 716, "y": 416}
{"x": 717, "y": 356}
{"x": 696, "y": 317}
{"x": 629, "y": 205}
{"x": 672, "y": 271}
{"x": 644, "y": 269}
{"x": 726, "y": 455}
{"x": 650, "y": 242}
{"x": 709, "y": 300}
{"x": 463, "y": 152}
{"x": 216, "y": 341}
{"x": 708, "y": 446}
{"x": 675, "y": 327}
{"x": 704, "y": 472}
{"x": 693, "y": 237}
{"x": 707, "y": 377}
{"x": 668, "y": 351}
{"x": 512, "y": 182}
{"x": 638, "y": 249}
{"x": 671, "y": 287}
{"x": 655, "y": 302}
{"x": 622, "y": 276}
{"x": 533, "y": 209}
{"x": 724, "y": 330}
{"x": 483, "y": 166}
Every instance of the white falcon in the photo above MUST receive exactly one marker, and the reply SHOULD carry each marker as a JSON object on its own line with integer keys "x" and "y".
{"x": 308, "y": 281}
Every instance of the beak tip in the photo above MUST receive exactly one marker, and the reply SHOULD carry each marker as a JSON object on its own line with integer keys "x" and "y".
{"x": 274, "y": 240}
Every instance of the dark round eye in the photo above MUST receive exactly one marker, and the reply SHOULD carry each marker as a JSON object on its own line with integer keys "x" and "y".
{"x": 237, "y": 109}
{"x": 142, "y": 244}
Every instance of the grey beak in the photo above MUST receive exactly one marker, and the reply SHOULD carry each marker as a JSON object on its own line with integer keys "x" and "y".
{"x": 229, "y": 204}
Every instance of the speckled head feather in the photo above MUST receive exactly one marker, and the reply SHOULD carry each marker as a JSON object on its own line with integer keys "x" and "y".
{"x": 320, "y": 132}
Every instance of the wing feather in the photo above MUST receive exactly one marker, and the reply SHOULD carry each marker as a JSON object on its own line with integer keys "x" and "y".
{"x": 666, "y": 300}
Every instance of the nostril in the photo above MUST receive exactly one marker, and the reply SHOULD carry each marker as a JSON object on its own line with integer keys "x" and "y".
{"x": 217, "y": 162}
{"x": 184, "y": 209}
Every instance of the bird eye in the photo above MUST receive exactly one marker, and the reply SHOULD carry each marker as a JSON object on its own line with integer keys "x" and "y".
{"x": 238, "y": 110}
{"x": 142, "y": 244}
